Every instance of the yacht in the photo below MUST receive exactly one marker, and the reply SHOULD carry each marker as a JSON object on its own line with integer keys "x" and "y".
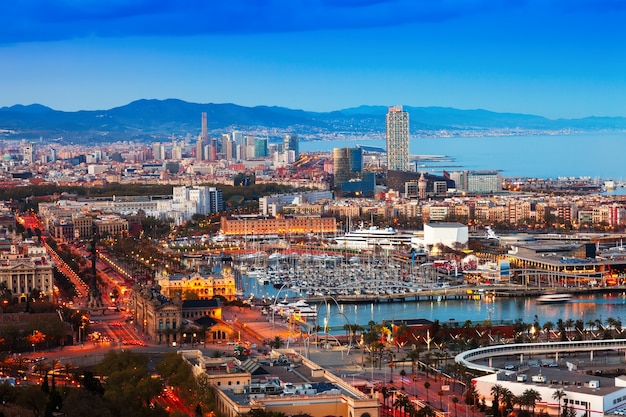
{"x": 368, "y": 238}
{"x": 554, "y": 298}
{"x": 302, "y": 310}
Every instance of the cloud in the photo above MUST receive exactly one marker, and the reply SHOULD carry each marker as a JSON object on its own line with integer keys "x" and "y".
{"x": 44, "y": 20}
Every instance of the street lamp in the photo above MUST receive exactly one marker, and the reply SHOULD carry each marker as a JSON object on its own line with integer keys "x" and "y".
{"x": 192, "y": 338}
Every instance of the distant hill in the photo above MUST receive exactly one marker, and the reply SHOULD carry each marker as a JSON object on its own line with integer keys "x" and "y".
{"x": 153, "y": 119}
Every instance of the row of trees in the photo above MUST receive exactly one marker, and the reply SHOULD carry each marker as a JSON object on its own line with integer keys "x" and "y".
{"x": 123, "y": 386}
{"x": 504, "y": 401}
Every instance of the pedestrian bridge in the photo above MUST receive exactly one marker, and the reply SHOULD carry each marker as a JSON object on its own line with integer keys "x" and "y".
{"x": 466, "y": 358}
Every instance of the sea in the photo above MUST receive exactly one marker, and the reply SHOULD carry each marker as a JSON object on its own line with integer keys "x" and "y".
{"x": 498, "y": 309}
{"x": 594, "y": 155}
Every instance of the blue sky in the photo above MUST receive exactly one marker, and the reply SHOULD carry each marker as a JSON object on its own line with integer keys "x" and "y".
{"x": 556, "y": 58}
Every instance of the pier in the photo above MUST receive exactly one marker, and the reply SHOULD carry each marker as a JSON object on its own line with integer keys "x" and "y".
{"x": 462, "y": 293}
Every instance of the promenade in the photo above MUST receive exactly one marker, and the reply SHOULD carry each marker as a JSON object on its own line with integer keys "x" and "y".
{"x": 352, "y": 365}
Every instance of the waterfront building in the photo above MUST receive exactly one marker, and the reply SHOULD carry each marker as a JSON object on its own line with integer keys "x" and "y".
{"x": 447, "y": 234}
{"x": 205, "y": 287}
{"x": 397, "y": 139}
{"x": 587, "y": 395}
{"x": 261, "y": 226}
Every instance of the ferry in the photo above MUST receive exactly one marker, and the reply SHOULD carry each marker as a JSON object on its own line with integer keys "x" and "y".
{"x": 368, "y": 238}
{"x": 554, "y": 298}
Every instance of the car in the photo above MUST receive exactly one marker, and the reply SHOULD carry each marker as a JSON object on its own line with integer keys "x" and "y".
{"x": 509, "y": 367}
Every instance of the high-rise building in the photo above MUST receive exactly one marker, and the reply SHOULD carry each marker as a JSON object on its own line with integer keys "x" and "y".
{"x": 348, "y": 164}
{"x": 205, "y": 131}
{"x": 203, "y": 199}
{"x": 202, "y": 139}
{"x": 260, "y": 148}
{"x": 397, "y": 139}
{"x": 228, "y": 147}
{"x": 158, "y": 151}
{"x": 29, "y": 153}
{"x": 291, "y": 143}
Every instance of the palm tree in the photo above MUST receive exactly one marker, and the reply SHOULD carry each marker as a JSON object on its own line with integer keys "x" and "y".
{"x": 455, "y": 401}
{"x": 414, "y": 356}
{"x": 427, "y": 385}
{"x": 54, "y": 365}
{"x": 569, "y": 323}
{"x": 507, "y": 398}
{"x": 41, "y": 368}
{"x": 67, "y": 368}
{"x": 531, "y": 397}
{"x": 402, "y": 401}
{"x": 425, "y": 412}
{"x": 548, "y": 326}
{"x": 591, "y": 324}
{"x": 276, "y": 343}
{"x": 384, "y": 391}
{"x": 496, "y": 390}
{"x": 558, "y": 396}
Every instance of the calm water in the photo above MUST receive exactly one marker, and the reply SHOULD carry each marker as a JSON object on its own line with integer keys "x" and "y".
{"x": 595, "y": 155}
{"x": 586, "y": 307}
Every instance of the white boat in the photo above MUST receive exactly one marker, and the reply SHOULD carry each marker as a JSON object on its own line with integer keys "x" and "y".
{"x": 554, "y": 298}
{"x": 368, "y": 238}
{"x": 302, "y": 310}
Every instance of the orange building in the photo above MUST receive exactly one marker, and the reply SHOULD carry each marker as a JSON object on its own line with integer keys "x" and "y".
{"x": 282, "y": 226}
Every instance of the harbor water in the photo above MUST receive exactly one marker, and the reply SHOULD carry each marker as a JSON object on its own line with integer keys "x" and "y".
{"x": 336, "y": 315}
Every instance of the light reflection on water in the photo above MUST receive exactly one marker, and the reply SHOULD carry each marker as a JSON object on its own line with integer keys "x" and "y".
{"x": 585, "y": 307}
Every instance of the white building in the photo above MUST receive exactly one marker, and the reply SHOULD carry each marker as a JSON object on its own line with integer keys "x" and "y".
{"x": 207, "y": 200}
{"x": 588, "y": 395}
{"x": 448, "y": 234}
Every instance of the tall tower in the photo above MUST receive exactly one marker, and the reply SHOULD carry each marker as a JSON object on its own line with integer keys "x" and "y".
{"x": 397, "y": 139}
{"x": 202, "y": 139}
{"x": 29, "y": 153}
{"x": 205, "y": 132}
{"x": 291, "y": 143}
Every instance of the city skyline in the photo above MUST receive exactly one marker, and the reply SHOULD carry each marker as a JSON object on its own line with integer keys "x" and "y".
{"x": 558, "y": 59}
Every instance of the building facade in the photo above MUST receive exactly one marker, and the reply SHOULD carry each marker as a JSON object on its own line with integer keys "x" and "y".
{"x": 397, "y": 139}
{"x": 283, "y": 226}
{"x": 347, "y": 163}
{"x": 24, "y": 269}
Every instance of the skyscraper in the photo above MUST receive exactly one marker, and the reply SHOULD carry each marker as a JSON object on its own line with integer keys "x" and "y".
{"x": 202, "y": 139}
{"x": 348, "y": 164}
{"x": 29, "y": 153}
{"x": 397, "y": 139}
{"x": 291, "y": 143}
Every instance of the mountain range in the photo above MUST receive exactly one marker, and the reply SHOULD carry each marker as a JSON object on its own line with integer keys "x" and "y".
{"x": 151, "y": 120}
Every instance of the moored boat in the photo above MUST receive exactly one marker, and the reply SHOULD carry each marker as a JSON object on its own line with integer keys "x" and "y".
{"x": 554, "y": 298}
